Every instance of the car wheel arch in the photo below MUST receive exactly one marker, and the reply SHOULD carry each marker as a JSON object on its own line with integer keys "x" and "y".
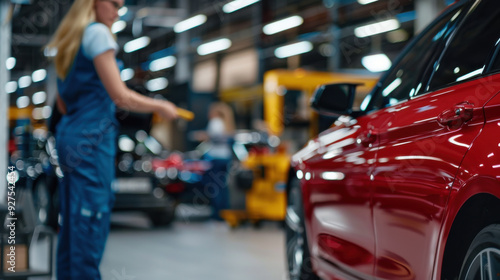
{"x": 473, "y": 214}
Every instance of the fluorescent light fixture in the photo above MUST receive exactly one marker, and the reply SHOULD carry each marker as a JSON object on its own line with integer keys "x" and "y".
{"x": 236, "y": 5}
{"x": 10, "y": 63}
{"x": 364, "y": 2}
{"x": 376, "y": 28}
{"x": 157, "y": 84}
{"x": 23, "y": 102}
{"x": 162, "y": 63}
{"x": 376, "y": 62}
{"x": 471, "y": 74}
{"x": 37, "y": 113}
{"x": 126, "y": 144}
{"x": 214, "y": 46}
{"x": 293, "y": 49}
{"x": 39, "y": 97}
{"x": 46, "y": 112}
{"x": 122, "y": 11}
{"x": 50, "y": 52}
{"x": 127, "y": 74}
{"x": 281, "y": 25}
{"x": 190, "y": 23}
{"x": 118, "y": 26}
{"x": 39, "y": 75}
{"x": 11, "y": 87}
{"x": 24, "y": 81}
{"x": 136, "y": 44}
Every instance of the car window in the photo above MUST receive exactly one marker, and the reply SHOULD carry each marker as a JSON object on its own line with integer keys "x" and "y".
{"x": 495, "y": 66}
{"x": 468, "y": 51}
{"x": 402, "y": 81}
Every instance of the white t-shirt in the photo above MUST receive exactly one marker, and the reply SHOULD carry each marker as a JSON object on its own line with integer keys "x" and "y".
{"x": 97, "y": 39}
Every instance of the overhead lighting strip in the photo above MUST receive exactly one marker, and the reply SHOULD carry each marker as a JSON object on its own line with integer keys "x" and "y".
{"x": 136, "y": 44}
{"x": 190, "y": 23}
{"x": 214, "y": 46}
{"x": 282, "y": 25}
{"x": 237, "y": 4}
{"x": 376, "y": 28}
{"x": 293, "y": 49}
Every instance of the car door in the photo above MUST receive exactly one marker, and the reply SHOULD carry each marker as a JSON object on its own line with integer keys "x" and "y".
{"x": 339, "y": 185}
{"x": 335, "y": 178}
{"x": 422, "y": 147}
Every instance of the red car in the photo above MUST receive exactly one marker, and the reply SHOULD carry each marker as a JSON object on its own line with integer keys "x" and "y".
{"x": 408, "y": 186}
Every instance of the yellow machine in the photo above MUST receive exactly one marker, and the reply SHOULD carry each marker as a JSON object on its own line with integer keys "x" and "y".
{"x": 266, "y": 199}
{"x": 278, "y": 82}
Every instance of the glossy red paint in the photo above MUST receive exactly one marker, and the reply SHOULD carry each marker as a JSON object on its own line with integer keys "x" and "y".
{"x": 378, "y": 208}
{"x": 401, "y": 192}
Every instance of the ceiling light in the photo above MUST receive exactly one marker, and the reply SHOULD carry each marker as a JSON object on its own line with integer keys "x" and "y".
{"x": 39, "y": 75}
{"x": 122, "y": 11}
{"x": 11, "y": 87}
{"x": 189, "y": 23}
{"x": 282, "y": 25}
{"x": 46, "y": 112}
{"x": 10, "y": 63}
{"x": 162, "y": 63}
{"x": 237, "y": 4}
{"x": 118, "y": 26}
{"x": 37, "y": 113}
{"x": 23, "y": 102}
{"x": 376, "y": 62}
{"x": 126, "y": 144}
{"x": 376, "y": 28}
{"x": 136, "y": 44}
{"x": 364, "y": 2}
{"x": 50, "y": 52}
{"x": 214, "y": 46}
{"x": 293, "y": 49}
{"x": 127, "y": 74}
{"x": 24, "y": 81}
{"x": 39, "y": 97}
{"x": 157, "y": 84}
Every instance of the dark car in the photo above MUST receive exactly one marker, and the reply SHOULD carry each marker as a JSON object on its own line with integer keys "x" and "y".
{"x": 137, "y": 187}
{"x": 408, "y": 186}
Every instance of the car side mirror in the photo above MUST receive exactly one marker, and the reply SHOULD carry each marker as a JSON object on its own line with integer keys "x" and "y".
{"x": 334, "y": 99}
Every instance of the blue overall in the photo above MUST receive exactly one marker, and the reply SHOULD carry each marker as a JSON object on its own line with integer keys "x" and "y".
{"x": 86, "y": 145}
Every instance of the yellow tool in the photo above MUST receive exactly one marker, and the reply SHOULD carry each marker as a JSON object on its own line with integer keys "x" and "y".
{"x": 185, "y": 114}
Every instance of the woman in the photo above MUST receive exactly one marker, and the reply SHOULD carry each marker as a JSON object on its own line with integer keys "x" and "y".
{"x": 90, "y": 87}
{"x": 220, "y": 130}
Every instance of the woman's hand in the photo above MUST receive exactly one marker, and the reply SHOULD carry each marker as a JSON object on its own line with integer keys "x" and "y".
{"x": 167, "y": 110}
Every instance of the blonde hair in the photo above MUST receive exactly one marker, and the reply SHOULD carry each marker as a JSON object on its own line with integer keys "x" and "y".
{"x": 68, "y": 36}
{"x": 223, "y": 111}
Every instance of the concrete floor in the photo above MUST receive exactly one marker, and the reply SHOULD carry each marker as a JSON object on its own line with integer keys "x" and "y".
{"x": 192, "y": 249}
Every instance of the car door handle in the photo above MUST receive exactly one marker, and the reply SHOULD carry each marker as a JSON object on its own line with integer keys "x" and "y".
{"x": 456, "y": 116}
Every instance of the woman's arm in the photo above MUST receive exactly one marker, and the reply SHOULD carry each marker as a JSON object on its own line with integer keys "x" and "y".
{"x": 122, "y": 96}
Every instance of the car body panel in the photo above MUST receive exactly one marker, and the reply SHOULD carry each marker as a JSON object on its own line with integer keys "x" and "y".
{"x": 414, "y": 161}
{"x": 339, "y": 171}
{"x": 479, "y": 172}
{"x": 402, "y": 188}
{"x": 417, "y": 161}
